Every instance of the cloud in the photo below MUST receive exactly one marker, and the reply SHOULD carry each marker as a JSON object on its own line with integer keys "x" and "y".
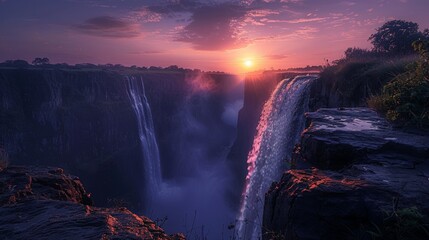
{"x": 106, "y": 26}
{"x": 175, "y": 6}
{"x": 306, "y": 20}
{"x": 302, "y": 33}
{"x": 223, "y": 25}
{"x": 348, "y": 3}
{"x": 276, "y": 56}
{"x": 145, "y": 15}
{"x": 215, "y": 27}
{"x": 208, "y": 26}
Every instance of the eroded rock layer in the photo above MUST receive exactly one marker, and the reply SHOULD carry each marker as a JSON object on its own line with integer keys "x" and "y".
{"x": 353, "y": 174}
{"x": 46, "y": 203}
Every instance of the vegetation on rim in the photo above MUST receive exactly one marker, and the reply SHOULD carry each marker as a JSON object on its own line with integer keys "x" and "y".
{"x": 405, "y": 99}
{"x": 393, "y": 75}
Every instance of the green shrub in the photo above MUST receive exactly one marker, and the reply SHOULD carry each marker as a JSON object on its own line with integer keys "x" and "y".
{"x": 376, "y": 102}
{"x": 354, "y": 80}
{"x": 402, "y": 224}
{"x": 405, "y": 99}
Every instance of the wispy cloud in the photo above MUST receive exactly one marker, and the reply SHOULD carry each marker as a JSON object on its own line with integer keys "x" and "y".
{"x": 276, "y": 56}
{"x": 348, "y": 3}
{"x": 208, "y": 26}
{"x": 145, "y": 15}
{"x": 215, "y": 27}
{"x": 307, "y": 20}
{"x": 176, "y": 6}
{"x": 302, "y": 33}
{"x": 107, "y": 26}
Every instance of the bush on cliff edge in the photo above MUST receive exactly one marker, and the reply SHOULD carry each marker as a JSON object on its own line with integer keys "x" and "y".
{"x": 405, "y": 99}
{"x": 357, "y": 77}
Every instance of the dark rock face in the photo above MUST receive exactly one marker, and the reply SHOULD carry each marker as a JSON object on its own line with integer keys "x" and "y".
{"x": 351, "y": 167}
{"x": 83, "y": 121}
{"x": 78, "y": 120}
{"x": 324, "y": 93}
{"x": 328, "y": 93}
{"x": 45, "y": 203}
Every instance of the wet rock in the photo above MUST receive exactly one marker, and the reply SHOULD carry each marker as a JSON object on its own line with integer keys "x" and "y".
{"x": 337, "y": 138}
{"x": 352, "y": 169}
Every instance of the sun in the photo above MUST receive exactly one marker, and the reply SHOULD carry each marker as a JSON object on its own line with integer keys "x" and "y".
{"x": 248, "y": 63}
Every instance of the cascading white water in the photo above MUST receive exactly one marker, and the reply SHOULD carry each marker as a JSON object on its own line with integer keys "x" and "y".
{"x": 279, "y": 129}
{"x": 149, "y": 146}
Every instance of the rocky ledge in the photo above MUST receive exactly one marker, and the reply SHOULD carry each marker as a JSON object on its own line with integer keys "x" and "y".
{"x": 354, "y": 177}
{"x": 46, "y": 203}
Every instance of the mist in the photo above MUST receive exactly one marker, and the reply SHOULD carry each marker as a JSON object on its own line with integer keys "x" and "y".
{"x": 196, "y": 206}
{"x": 193, "y": 199}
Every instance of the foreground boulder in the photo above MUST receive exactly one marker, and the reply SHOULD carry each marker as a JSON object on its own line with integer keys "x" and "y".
{"x": 45, "y": 203}
{"x": 355, "y": 178}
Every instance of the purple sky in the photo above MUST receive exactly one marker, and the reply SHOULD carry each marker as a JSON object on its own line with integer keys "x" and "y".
{"x": 210, "y": 35}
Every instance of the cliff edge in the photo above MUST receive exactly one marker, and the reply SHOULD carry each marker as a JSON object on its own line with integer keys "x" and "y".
{"x": 46, "y": 203}
{"x": 353, "y": 176}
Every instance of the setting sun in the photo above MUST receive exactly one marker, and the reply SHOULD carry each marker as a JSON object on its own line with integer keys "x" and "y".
{"x": 248, "y": 63}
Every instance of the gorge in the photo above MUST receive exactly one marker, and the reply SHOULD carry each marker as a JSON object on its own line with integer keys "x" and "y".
{"x": 174, "y": 146}
{"x": 106, "y": 127}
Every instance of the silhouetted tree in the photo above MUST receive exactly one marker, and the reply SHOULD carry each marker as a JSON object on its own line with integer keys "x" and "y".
{"x": 85, "y": 65}
{"x": 172, "y": 67}
{"x": 426, "y": 34}
{"x": 396, "y": 36}
{"x": 41, "y": 61}
{"x": 15, "y": 63}
{"x": 155, "y": 68}
{"x": 357, "y": 53}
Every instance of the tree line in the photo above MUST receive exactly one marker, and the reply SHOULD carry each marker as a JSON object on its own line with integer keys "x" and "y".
{"x": 394, "y": 38}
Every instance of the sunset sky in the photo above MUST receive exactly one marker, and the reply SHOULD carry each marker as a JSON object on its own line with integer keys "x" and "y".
{"x": 209, "y": 35}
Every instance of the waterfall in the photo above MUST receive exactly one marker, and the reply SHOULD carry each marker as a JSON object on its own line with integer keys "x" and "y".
{"x": 279, "y": 129}
{"x": 149, "y": 146}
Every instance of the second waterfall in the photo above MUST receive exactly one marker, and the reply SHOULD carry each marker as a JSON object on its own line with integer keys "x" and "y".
{"x": 149, "y": 146}
{"x": 279, "y": 129}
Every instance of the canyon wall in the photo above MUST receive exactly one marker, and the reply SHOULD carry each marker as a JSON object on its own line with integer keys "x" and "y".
{"x": 84, "y": 122}
{"x": 79, "y": 120}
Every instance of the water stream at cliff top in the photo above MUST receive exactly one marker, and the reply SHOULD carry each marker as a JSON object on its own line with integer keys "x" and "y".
{"x": 279, "y": 128}
{"x": 149, "y": 146}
